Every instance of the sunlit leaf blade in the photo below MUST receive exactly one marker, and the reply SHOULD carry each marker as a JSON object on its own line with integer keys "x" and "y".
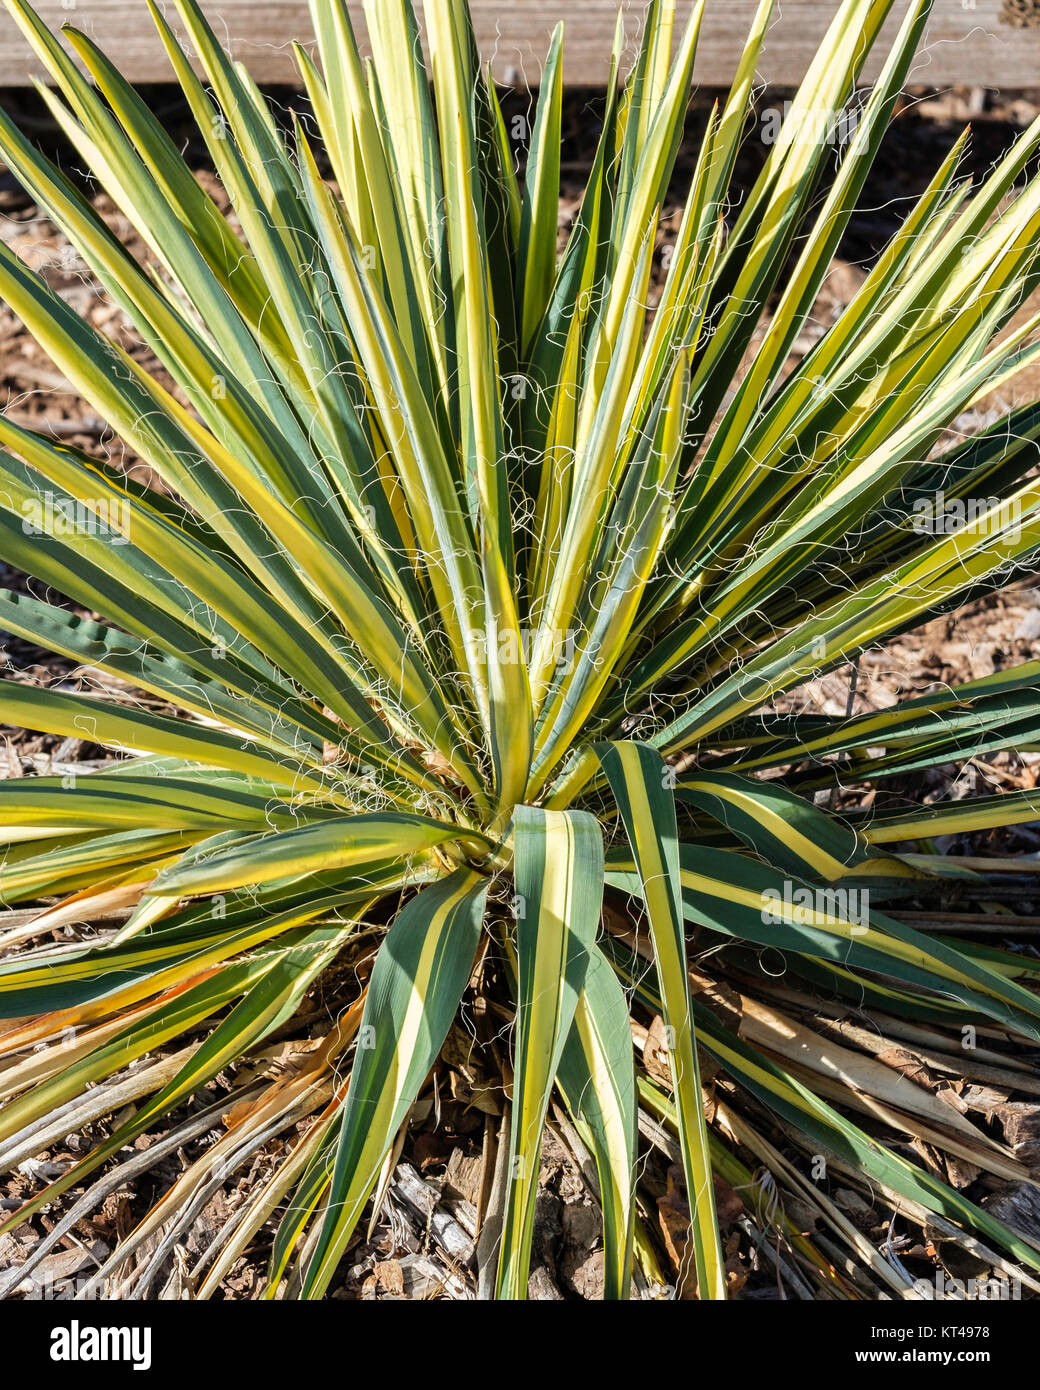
{"x": 413, "y": 994}
{"x": 641, "y": 784}
{"x": 597, "y": 1078}
{"x": 782, "y": 828}
{"x": 558, "y": 871}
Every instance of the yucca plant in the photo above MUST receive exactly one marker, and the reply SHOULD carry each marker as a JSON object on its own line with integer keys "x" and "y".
{"x": 469, "y": 594}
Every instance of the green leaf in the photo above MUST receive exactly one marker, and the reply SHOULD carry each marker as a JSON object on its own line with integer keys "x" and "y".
{"x": 640, "y": 783}
{"x": 597, "y": 1078}
{"x": 417, "y": 982}
{"x": 558, "y": 872}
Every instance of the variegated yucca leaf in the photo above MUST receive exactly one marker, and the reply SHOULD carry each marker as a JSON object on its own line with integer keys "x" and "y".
{"x": 444, "y": 662}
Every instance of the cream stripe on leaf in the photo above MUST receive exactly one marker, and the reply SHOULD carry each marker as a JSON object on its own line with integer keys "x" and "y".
{"x": 597, "y": 1078}
{"x": 742, "y": 898}
{"x": 641, "y": 785}
{"x": 354, "y": 842}
{"x": 826, "y": 1129}
{"x": 558, "y": 872}
{"x": 784, "y": 829}
{"x": 267, "y": 1003}
{"x": 414, "y": 992}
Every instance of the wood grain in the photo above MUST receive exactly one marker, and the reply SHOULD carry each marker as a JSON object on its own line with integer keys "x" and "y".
{"x": 968, "y": 42}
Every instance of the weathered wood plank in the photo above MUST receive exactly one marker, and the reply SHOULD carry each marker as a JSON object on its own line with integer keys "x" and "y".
{"x": 968, "y": 41}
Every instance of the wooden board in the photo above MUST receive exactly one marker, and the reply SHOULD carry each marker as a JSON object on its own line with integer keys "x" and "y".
{"x": 968, "y": 42}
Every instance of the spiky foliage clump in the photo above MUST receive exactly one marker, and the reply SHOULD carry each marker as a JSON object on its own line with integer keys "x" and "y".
{"x": 469, "y": 590}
